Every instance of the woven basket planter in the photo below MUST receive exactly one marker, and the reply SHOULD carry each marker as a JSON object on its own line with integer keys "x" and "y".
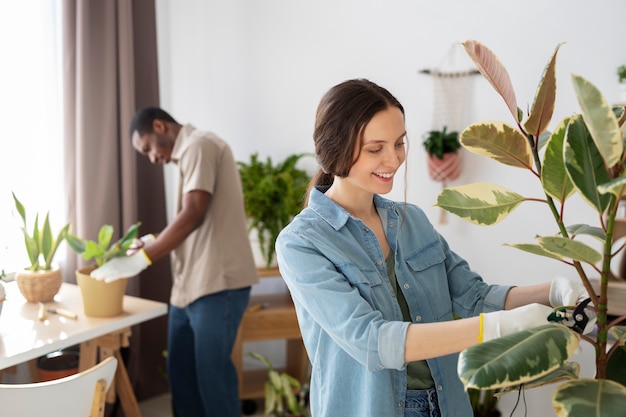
{"x": 446, "y": 169}
{"x": 39, "y": 286}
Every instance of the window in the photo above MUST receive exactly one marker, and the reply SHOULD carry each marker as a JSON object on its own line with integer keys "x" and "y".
{"x": 31, "y": 110}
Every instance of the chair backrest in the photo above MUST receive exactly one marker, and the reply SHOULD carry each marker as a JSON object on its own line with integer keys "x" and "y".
{"x": 77, "y": 395}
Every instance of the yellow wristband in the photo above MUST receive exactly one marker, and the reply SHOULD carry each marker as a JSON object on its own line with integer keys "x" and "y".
{"x": 146, "y": 256}
{"x": 481, "y": 326}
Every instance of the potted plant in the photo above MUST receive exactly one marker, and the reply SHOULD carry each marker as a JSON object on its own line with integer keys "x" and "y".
{"x": 621, "y": 78}
{"x": 102, "y": 299}
{"x": 444, "y": 161}
{"x": 284, "y": 395}
{"x": 273, "y": 195}
{"x": 41, "y": 280}
{"x": 584, "y": 155}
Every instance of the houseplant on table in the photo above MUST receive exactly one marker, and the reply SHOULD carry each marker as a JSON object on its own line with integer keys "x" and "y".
{"x": 102, "y": 299}
{"x": 583, "y": 156}
{"x": 41, "y": 280}
{"x": 273, "y": 195}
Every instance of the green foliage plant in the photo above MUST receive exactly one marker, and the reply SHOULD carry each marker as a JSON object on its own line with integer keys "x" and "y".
{"x": 439, "y": 142}
{"x": 41, "y": 244}
{"x": 273, "y": 195}
{"x": 103, "y": 250}
{"x": 583, "y": 156}
{"x": 621, "y": 74}
{"x": 283, "y": 392}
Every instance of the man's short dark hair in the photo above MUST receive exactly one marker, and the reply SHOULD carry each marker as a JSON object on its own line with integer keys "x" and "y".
{"x": 144, "y": 117}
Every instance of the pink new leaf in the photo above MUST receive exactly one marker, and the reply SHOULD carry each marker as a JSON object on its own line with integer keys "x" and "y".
{"x": 492, "y": 69}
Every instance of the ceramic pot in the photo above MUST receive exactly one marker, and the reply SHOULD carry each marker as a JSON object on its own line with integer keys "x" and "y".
{"x": 101, "y": 299}
{"x": 39, "y": 286}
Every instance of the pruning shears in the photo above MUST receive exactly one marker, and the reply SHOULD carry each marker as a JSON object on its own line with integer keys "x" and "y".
{"x": 577, "y": 318}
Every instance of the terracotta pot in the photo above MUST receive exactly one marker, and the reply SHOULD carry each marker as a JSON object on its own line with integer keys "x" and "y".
{"x": 446, "y": 169}
{"x": 39, "y": 286}
{"x": 101, "y": 299}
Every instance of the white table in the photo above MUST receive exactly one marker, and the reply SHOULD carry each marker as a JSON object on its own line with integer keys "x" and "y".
{"x": 24, "y": 337}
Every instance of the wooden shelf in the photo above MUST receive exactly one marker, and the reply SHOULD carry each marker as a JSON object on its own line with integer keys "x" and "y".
{"x": 275, "y": 320}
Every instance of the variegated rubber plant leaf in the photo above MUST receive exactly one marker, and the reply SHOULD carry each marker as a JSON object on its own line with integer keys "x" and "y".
{"x": 492, "y": 69}
{"x": 568, "y": 371}
{"x": 600, "y": 120}
{"x": 584, "y": 164}
{"x": 569, "y": 248}
{"x": 590, "y": 398}
{"x": 517, "y": 358}
{"x": 499, "y": 142}
{"x": 479, "y": 203}
{"x": 554, "y": 179}
{"x": 543, "y": 105}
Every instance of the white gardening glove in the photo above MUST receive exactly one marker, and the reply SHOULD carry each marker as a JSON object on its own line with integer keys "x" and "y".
{"x": 504, "y": 322}
{"x": 123, "y": 267}
{"x": 567, "y": 292}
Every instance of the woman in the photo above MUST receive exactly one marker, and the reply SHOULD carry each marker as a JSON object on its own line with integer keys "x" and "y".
{"x": 376, "y": 288}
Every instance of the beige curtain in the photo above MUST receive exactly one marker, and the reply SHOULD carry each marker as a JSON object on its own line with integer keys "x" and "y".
{"x": 110, "y": 70}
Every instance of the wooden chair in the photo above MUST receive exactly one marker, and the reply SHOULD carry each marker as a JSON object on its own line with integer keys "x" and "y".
{"x": 77, "y": 395}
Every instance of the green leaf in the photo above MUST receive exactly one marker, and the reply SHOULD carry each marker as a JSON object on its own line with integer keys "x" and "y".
{"x": 590, "y": 398}
{"x": 104, "y": 236}
{"x": 585, "y": 165}
{"x": 492, "y": 69}
{"x": 535, "y": 250}
{"x": 618, "y": 332}
{"x": 517, "y": 358}
{"x": 480, "y": 203}
{"x": 585, "y": 229}
{"x": 543, "y": 105}
{"x": 46, "y": 237}
{"x": 554, "y": 179}
{"x": 616, "y": 366}
{"x": 499, "y": 142}
{"x": 572, "y": 249}
{"x": 75, "y": 243}
{"x": 568, "y": 371}
{"x": 600, "y": 120}
{"x": 615, "y": 187}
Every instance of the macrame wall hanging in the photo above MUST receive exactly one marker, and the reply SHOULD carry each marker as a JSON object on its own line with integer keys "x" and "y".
{"x": 451, "y": 93}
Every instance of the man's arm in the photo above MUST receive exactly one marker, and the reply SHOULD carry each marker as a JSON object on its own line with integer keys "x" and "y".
{"x": 192, "y": 214}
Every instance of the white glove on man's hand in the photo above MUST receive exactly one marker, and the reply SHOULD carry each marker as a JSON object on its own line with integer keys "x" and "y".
{"x": 567, "y": 292}
{"x": 504, "y": 322}
{"x": 123, "y": 267}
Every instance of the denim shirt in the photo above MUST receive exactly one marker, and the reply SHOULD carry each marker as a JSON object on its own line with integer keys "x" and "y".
{"x": 351, "y": 322}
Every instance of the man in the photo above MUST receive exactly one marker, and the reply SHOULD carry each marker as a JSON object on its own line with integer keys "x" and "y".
{"x": 213, "y": 266}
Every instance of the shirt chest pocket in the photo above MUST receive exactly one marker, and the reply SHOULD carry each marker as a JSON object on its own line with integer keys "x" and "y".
{"x": 428, "y": 268}
{"x": 366, "y": 280}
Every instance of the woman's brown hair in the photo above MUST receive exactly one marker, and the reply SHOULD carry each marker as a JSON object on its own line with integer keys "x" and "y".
{"x": 342, "y": 114}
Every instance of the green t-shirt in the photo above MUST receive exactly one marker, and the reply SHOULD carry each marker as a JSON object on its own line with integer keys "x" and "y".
{"x": 418, "y": 374}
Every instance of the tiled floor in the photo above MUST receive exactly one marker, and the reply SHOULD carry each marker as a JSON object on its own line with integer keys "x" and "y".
{"x": 160, "y": 407}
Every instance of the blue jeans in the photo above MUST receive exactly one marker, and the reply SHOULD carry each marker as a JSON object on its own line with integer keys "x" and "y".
{"x": 421, "y": 403}
{"x": 202, "y": 377}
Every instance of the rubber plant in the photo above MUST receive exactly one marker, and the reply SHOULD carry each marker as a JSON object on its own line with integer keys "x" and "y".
{"x": 583, "y": 156}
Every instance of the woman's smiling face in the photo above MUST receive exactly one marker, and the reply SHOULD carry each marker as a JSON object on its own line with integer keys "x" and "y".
{"x": 381, "y": 152}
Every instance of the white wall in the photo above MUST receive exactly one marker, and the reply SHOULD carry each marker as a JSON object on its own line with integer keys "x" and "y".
{"x": 253, "y": 71}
